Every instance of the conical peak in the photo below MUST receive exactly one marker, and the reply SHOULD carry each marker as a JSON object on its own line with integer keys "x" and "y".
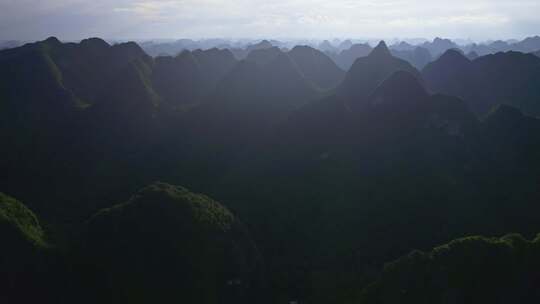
{"x": 454, "y": 56}
{"x": 94, "y": 44}
{"x": 381, "y": 50}
{"x": 301, "y": 49}
{"x": 52, "y": 40}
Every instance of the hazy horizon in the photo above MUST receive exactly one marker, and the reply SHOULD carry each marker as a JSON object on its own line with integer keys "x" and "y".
{"x": 299, "y": 19}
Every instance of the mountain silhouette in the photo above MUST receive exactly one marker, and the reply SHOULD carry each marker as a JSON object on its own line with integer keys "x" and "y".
{"x": 250, "y": 101}
{"x": 264, "y": 44}
{"x": 399, "y": 126}
{"x": 529, "y": 44}
{"x": 191, "y": 76}
{"x": 317, "y": 67}
{"x": 326, "y": 46}
{"x": 346, "y": 44}
{"x": 487, "y": 81}
{"x": 399, "y": 86}
{"x": 347, "y": 57}
{"x": 419, "y": 57}
{"x": 333, "y": 173}
{"x": 438, "y": 46}
{"x": 369, "y": 72}
{"x": 263, "y": 56}
{"x": 402, "y": 46}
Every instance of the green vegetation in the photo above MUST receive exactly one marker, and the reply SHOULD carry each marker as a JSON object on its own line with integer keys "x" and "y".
{"x": 24, "y": 255}
{"x": 468, "y": 270}
{"x": 330, "y": 184}
{"x": 167, "y": 244}
{"x": 17, "y": 218}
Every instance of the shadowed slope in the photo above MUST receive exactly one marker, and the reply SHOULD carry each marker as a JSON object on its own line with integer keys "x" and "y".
{"x": 504, "y": 78}
{"x": 467, "y": 270}
{"x": 317, "y": 67}
{"x": 168, "y": 244}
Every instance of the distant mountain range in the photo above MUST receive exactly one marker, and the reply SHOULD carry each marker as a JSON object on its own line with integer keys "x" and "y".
{"x": 335, "y": 49}
{"x": 344, "y": 52}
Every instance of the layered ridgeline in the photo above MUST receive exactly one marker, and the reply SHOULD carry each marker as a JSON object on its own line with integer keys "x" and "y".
{"x": 344, "y": 53}
{"x": 333, "y": 173}
{"x": 69, "y": 114}
{"x": 381, "y": 167}
{"x": 84, "y": 115}
{"x": 347, "y": 57}
{"x": 314, "y": 65}
{"x": 503, "y": 78}
{"x": 188, "y": 77}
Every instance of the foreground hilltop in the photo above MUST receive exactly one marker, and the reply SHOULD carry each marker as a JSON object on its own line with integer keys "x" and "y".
{"x": 164, "y": 244}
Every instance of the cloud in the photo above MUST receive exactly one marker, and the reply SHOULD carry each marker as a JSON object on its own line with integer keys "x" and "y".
{"x": 479, "y": 19}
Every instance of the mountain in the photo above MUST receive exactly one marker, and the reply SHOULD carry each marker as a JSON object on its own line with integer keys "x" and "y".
{"x": 402, "y": 46}
{"x": 264, "y": 56}
{"x": 466, "y": 270}
{"x": 167, "y": 244}
{"x": 529, "y": 44}
{"x": 347, "y": 57}
{"x": 314, "y": 65}
{"x": 264, "y": 44}
{"x": 513, "y": 139}
{"x": 326, "y": 46}
{"x": 438, "y": 46}
{"x": 449, "y": 72}
{"x": 419, "y": 57}
{"x": 83, "y": 71}
{"x": 251, "y": 100}
{"x": 361, "y": 168}
{"x": 317, "y": 67}
{"x": 9, "y": 44}
{"x": 370, "y": 71}
{"x": 537, "y": 53}
{"x": 330, "y": 183}
{"x": 500, "y": 46}
{"x": 24, "y": 245}
{"x": 510, "y": 78}
{"x": 258, "y": 95}
{"x": 490, "y": 48}
{"x": 173, "y": 48}
{"x": 472, "y": 55}
{"x": 168, "y": 48}
{"x": 190, "y": 76}
{"x": 240, "y": 53}
{"x": 67, "y": 109}
{"x": 328, "y": 153}
{"x": 345, "y": 45}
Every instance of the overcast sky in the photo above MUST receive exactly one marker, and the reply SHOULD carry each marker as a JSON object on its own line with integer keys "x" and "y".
{"x": 146, "y": 19}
